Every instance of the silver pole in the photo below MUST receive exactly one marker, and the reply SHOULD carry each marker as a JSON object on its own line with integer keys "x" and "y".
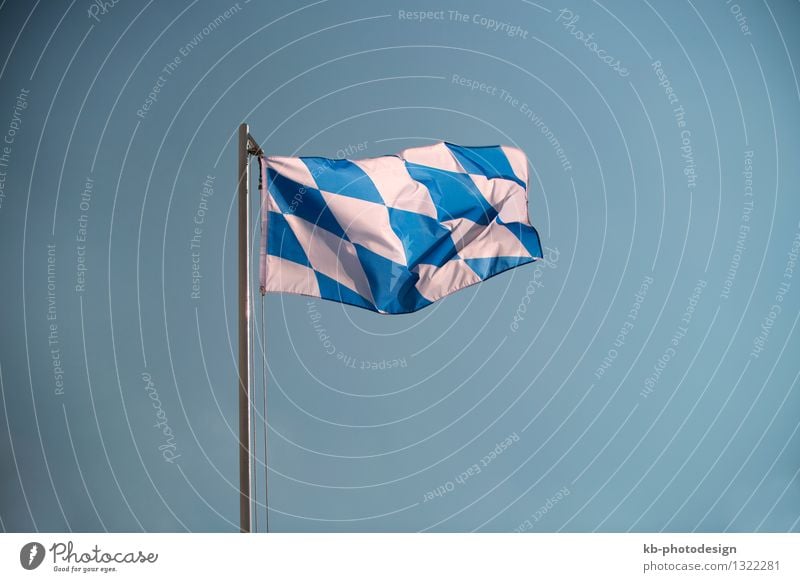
{"x": 245, "y": 501}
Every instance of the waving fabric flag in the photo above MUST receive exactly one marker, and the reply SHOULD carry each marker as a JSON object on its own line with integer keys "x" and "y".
{"x": 395, "y": 233}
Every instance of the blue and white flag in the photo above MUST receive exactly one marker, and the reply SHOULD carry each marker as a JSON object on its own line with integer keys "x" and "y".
{"x": 395, "y": 233}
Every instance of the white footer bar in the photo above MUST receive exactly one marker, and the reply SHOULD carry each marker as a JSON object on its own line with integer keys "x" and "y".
{"x": 401, "y": 557}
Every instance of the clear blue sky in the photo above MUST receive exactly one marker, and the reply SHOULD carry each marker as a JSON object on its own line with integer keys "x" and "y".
{"x": 644, "y": 379}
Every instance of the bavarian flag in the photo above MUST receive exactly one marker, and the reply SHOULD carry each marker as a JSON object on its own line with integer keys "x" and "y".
{"x": 395, "y": 233}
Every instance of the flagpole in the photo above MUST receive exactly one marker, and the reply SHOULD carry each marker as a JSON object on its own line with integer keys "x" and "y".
{"x": 245, "y": 501}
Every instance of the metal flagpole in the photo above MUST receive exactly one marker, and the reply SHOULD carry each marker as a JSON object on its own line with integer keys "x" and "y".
{"x": 247, "y": 147}
{"x": 245, "y": 502}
